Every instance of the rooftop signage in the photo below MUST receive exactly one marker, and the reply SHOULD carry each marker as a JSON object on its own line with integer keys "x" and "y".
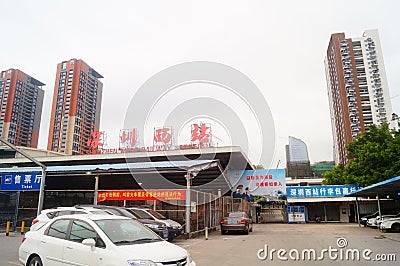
{"x": 162, "y": 140}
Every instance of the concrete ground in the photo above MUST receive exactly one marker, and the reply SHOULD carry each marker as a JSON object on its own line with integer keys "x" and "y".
{"x": 238, "y": 249}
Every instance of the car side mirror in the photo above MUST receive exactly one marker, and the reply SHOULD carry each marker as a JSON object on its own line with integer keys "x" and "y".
{"x": 89, "y": 242}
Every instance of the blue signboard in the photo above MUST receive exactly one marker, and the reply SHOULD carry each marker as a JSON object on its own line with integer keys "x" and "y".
{"x": 320, "y": 191}
{"x": 21, "y": 181}
{"x": 296, "y": 214}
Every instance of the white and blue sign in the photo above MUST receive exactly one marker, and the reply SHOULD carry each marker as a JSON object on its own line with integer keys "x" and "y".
{"x": 320, "y": 191}
{"x": 21, "y": 181}
{"x": 263, "y": 182}
{"x": 296, "y": 214}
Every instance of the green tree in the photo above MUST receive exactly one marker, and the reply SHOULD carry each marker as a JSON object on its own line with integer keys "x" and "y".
{"x": 374, "y": 157}
{"x": 336, "y": 176}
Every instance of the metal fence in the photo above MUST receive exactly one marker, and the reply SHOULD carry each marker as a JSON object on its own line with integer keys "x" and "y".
{"x": 207, "y": 210}
{"x": 8, "y": 209}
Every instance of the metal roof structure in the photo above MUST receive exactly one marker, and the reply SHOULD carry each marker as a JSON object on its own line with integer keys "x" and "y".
{"x": 388, "y": 188}
{"x": 133, "y": 167}
{"x": 232, "y": 158}
{"x": 127, "y": 170}
{"x": 209, "y": 175}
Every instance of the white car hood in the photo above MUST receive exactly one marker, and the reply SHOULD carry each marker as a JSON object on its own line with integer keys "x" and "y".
{"x": 172, "y": 223}
{"x": 156, "y": 251}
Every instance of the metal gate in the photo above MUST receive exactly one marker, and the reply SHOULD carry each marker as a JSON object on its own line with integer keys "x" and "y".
{"x": 8, "y": 209}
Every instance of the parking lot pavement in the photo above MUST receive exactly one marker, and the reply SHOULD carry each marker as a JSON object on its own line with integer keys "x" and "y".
{"x": 392, "y": 236}
{"x": 9, "y": 248}
{"x": 343, "y": 240}
{"x": 238, "y": 249}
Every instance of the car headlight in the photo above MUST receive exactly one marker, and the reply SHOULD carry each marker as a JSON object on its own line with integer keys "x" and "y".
{"x": 141, "y": 263}
{"x": 154, "y": 226}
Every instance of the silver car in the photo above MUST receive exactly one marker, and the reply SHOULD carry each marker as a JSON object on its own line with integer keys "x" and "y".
{"x": 236, "y": 221}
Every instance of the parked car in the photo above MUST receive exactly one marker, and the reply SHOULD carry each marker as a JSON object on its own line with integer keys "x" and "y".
{"x": 90, "y": 239}
{"x": 392, "y": 224}
{"x": 374, "y": 222}
{"x": 48, "y": 214}
{"x": 364, "y": 219}
{"x": 158, "y": 227}
{"x": 174, "y": 228}
{"x": 236, "y": 221}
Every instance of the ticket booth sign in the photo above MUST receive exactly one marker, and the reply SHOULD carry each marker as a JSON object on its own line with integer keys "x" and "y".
{"x": 142, "y": 195}
{"x": 21, "y": 181}
{"x": 296, "y": 214}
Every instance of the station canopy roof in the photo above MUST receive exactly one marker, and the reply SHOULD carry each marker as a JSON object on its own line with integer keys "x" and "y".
{"x": 197, "y": 165}
{"x": 390, "y": 187}
{"x": 160, "y": 169}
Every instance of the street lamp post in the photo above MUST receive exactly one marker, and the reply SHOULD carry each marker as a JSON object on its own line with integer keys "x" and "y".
{"x": 43, "y": 179}
{"x": 189, "y": 176}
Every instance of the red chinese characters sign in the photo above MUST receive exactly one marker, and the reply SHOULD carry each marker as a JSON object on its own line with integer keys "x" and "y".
{"x": 95, "y": 142}
{"x": 142, "y": 195}
{"x": 127, "y": 138}
{"x": 201, "y": 133}
{"x": 163, "y": 136}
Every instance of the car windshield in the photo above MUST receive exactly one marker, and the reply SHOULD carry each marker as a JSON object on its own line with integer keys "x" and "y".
{"x": 127, "y": 231}
{"x": 157, "y": 215}
{"x": 100, "y": 212}
{"x": 134, "y": 214}
{"x": 235, "y": 215}
{"x": 142, "y": 214}
{"x": 127, "y": 213}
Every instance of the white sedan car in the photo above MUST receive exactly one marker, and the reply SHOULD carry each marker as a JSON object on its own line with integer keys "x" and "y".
{"x": 102, "y": 240}
{"x": 392, "y": 224}
{"x": 375, "y": 222}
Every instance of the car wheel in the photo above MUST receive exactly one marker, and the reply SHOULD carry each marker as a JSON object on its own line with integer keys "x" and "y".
{"x": 223, "y": 232}
{"x": 396, "y": 227}
{"x": 35, "y": 261}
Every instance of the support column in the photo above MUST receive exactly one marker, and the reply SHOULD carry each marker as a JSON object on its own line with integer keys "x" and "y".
{"x": 187, "y": 226}
{"x": 41, "y": 191}
{"x": 204, "y": 210}
{"x": 96, "y": 189}
{"x": 358, "y": 212}
{"x": 379, "y": 205}
{"x": 210, "y": 211}
{"x": 325, "y": 218}
{"x": 197, "y": 211}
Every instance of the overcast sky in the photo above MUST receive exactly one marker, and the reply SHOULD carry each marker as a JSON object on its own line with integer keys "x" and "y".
{"x": 279, "y": 45}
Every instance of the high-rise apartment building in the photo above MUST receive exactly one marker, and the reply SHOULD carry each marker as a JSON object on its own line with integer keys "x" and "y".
{"x": 76, "y": 107}
{"x": 21, "y": 102}
{"x": 357, "y": 88}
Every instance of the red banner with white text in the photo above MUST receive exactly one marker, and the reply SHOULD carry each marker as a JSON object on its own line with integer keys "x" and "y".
{"x": 142, "y": 195}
